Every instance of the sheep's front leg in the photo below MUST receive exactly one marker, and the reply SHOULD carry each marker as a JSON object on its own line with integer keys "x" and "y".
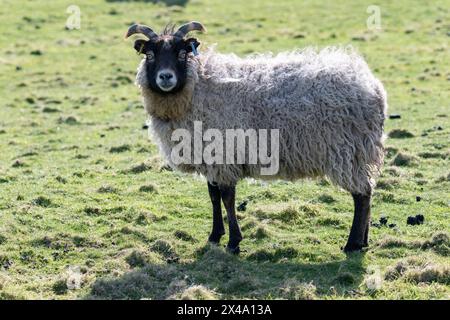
{"x": 228, "y": 194}
{"x": 218, "y": 229}
{"x": 359, "y": 233}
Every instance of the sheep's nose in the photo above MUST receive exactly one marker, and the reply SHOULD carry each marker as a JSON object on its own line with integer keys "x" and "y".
{"x": 166, "y": 79}
{"x": 165, "y": 76}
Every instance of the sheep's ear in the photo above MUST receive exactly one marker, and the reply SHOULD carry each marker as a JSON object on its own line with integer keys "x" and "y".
{"x": 141, "y": 46}
{"x": 191, "y": 42}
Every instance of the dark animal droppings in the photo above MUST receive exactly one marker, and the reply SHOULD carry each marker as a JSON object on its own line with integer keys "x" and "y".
{"x": 383, "y": 221}
{"x": 242, "y": 206}
{"x": 395, "y": 116}
{"x": 420, "y": 218}
{"x": 411, "y": 221}
{"x": 376, "y": 224}
{"x": 417, "y": 220}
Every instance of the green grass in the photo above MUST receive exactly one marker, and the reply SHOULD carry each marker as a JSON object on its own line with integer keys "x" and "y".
{"x": 87, "y": 210}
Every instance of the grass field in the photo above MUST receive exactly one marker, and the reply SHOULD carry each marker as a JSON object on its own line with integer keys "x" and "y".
{"x": 88, "y": 210}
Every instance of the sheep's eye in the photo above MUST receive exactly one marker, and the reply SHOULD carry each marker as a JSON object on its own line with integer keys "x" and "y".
{"x": 182, "y": 55}
{"x": 150, "y": 55}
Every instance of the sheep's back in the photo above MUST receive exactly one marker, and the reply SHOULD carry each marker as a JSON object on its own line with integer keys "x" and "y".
{"x": 307, "y": 87}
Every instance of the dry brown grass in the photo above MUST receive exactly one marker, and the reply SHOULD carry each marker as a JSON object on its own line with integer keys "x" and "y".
{"x": 295, "y": 290}
{"x": 439, "y": 243}
{"x": 419, "y": 270}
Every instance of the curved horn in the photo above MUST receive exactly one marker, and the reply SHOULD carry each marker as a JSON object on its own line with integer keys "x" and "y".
{"x": 188, "y": 27}
{"x": 139, "y": 28}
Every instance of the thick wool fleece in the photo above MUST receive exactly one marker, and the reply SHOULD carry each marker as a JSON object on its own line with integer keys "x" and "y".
{"x": 327, "y": 105}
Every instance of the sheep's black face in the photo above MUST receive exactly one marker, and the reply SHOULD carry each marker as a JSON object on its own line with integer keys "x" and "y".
{"x": 166, "y": 62}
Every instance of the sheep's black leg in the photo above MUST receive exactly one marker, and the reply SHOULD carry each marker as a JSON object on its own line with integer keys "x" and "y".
{"x": 366, "y": 234}
{"x": 218, "y": 229}
{"x": 228, "y": 194}
{"x": 358, "y": 237}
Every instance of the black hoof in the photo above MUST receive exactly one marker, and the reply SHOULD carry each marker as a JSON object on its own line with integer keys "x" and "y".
{"x": 352, "y": 247}
{"x": 234, "y": 250}
{"x": 215, "y": 238}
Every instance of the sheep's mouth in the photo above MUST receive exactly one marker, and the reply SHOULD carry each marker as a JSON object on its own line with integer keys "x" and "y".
{"x": 167, "y": 86}
{"x": 165, "y": 89}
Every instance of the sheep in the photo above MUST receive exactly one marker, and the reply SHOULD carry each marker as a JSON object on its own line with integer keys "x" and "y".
{"x": 327, "y": 106}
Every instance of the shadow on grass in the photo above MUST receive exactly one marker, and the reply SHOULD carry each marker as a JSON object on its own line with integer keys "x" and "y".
{"x": 166, "y": 2}
{"x": 225, "y": 276}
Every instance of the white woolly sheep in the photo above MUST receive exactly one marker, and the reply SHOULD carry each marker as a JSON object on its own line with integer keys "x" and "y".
{"x": 327, "y": 105}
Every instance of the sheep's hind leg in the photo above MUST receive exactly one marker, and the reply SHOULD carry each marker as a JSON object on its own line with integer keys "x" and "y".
{"x": 358, "y": 237}
{"x": 228, "y": 194}
{"x": 366, "y": 234}
{"x": 218, "y": 229}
